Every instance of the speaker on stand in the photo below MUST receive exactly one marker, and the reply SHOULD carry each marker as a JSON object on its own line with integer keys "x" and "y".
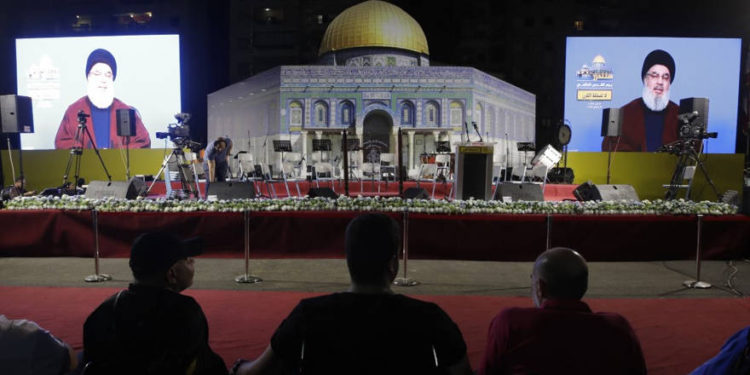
{"x": 16, "y": 117}
{"x": 611, "y": 127}
{"x": 126, "y": 128}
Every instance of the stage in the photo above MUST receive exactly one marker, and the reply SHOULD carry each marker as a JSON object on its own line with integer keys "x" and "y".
{"x": 320, "y": 234}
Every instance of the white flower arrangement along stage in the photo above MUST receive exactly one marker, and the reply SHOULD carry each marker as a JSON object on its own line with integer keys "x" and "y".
{"x": 390, "y": 204}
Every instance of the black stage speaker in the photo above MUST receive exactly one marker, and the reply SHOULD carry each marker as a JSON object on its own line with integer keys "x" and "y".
{"x": 745, "y": 200}
{"x": 125, "y": 122}
{"x": 117, "y": 189}
{"x": 325, "y": 192}
{"x": 15, "y": 114}
{"x": 590, "y": 192}
{"x": 416, "y": 193}
{"x": 519, "y": 192}
{"x": 611, "y": 122}
{"x": 226, "y": 190}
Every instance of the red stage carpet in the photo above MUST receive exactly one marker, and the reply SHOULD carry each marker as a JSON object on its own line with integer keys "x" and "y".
{"x": 676, "y": 334}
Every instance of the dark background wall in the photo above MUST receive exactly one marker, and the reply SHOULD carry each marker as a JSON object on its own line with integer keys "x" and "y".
{"x": 224, "y": 41}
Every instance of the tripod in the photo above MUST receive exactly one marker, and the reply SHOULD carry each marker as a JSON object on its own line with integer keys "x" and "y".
{"x": 687, "y": 156}
{"x": 186, "y": 176}
{"x": 77, "y": 150}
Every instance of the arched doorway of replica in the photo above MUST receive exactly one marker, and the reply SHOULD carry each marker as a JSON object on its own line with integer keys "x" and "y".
{"x": 377, "y": 133}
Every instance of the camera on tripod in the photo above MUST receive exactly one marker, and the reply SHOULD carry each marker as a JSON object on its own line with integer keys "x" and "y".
{"x": 179, "y": 133}
{"x": 693, "y": 119}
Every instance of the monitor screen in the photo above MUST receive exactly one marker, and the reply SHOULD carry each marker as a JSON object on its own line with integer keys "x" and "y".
{"x": 96, "y": 76}
{"x": 645, "y": 79}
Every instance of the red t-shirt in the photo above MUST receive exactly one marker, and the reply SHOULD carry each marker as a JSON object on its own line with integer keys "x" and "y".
{"x": 561, "y": 337}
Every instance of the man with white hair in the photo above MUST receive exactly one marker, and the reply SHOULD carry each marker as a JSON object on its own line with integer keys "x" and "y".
{"x": 100, "y": 107}
{"x": 650, "y": 121}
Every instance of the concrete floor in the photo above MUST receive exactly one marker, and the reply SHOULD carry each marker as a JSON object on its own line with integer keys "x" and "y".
{"x": 607, "y": 279}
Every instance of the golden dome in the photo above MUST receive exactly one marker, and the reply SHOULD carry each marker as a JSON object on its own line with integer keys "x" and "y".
{"x": 599, "y": 59}
{"x": 374, "y": 23}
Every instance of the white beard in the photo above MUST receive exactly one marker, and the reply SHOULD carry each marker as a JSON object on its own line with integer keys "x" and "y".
{"x": 101, "y": 98}
{"x": 653, "y": 102}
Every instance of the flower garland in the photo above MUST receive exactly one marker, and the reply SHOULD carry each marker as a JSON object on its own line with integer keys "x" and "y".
{"x": 391, "y": 204}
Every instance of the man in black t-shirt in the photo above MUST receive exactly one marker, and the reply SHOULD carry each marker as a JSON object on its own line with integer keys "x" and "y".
{"x": 368, "y": 329}
{"x": 151, "y": 328}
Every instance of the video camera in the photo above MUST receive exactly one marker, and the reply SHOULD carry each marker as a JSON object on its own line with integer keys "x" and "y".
{"x": 693, "y": 119}
{"x": 179, "y": 133}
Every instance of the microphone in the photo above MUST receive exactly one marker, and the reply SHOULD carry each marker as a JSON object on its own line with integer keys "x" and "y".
{"x": 690, "y": 116}
{"x": 466, "y": 126}
{"x": 476, "y": 128}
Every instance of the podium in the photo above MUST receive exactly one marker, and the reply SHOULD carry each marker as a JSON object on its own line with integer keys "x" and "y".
{"x": 473, "y": 170}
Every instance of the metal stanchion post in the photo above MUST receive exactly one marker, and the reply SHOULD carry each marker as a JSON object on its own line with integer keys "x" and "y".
{"x": 549, "y": 228}
{"x": 247, "y": 278}
{"x": 405, "y": 281}
{"x": 697, "y": 283}
{"x": 96, "y": 277}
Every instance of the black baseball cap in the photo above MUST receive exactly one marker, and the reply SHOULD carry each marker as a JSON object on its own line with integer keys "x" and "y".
{"x": 156, "y": 252}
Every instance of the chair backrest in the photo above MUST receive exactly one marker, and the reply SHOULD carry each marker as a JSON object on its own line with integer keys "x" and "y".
{"x": 322, "y": 166}
{"x": 442, "y": 159}
{"x": 387, "y": 158}
{"x": 428, "y": 171}
{"x": 370, "y": 167}
{"x": 292, "y": 156}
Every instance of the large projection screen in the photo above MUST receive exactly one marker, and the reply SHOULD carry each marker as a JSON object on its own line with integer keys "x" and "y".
{"x": 704, "y": 68}
{"x": 52, "y": 71}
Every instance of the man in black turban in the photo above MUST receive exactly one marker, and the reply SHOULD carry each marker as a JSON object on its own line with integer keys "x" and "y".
{"x": 650, "y": 121}
{"x": 101, "y": 107}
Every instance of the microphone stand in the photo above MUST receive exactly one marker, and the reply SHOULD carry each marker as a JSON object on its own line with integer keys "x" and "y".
{"x": 476, "y": 129}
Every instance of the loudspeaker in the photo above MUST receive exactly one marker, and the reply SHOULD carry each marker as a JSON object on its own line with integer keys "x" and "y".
{"x": 117, "y": 189}
{"x": 324, "y": 192}
{"x": 519, "y": 192}
{"x": 700, "y": 105}
{"x": 226, "y": 190}
{"x": 125, "y": 122}
{"x": 15, "y": 114}
{"x": 611, "y": 122}
{"x": 561, "y": 175}
{"x": 590, "y": 192}
{"x": 416, "y": 193}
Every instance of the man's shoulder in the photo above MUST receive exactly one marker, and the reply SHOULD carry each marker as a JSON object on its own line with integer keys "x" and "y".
{"x": 80, "y": 103}
{"x": 119, "y": 104}
{"x": 633, "y": 104}
{"x": 347, "y": 301}
{"x": 348, "y": 296}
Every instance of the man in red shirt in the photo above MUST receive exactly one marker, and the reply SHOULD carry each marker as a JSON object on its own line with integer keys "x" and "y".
{"x": 561, "y": 335}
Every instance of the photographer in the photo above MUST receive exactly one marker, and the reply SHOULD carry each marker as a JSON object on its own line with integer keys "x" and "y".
{"x": 216, "y": 162}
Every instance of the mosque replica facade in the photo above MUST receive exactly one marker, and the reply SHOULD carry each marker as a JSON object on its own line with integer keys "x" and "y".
{"x": 373, "y": 77}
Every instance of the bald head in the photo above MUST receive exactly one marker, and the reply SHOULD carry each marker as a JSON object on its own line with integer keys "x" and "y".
{"x": 563, "y": 274}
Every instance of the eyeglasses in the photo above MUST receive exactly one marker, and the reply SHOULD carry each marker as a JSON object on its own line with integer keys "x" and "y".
{"x": 655, "y": 75}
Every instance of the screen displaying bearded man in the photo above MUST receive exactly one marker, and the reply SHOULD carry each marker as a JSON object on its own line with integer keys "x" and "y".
{"x": 100, "y": 105}
{"x": 650, "y": 121}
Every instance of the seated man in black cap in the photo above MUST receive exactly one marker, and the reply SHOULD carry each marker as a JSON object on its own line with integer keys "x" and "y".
{"x": 369, "y": 329}
{"x": 100, "y": 106}
{"x": 150, "y": 328}
{"x": 650, "y": 121}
